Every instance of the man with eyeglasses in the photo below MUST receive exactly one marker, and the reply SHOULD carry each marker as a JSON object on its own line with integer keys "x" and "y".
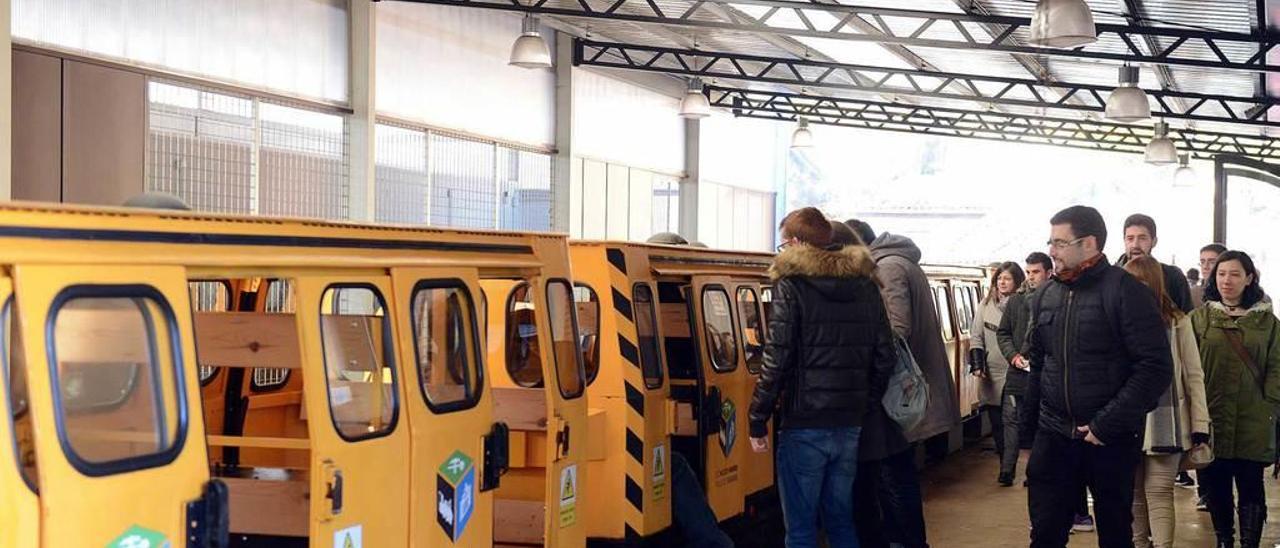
{"x": 1100, "y": 360}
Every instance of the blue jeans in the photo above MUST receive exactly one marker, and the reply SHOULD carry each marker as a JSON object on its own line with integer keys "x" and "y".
{"x": 816, "y": 468}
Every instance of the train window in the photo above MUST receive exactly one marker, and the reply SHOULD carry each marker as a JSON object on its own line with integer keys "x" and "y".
{"x": 279, "y": 300}
{"x": 564, "y": 339}
{"x": 445, "y": 345}
{"x": 717, "y": 318}
{"x": 15, "y": 379}
{"x": 209, "y": 296}
{"x": 647, "y": 335}
{"x": 963, "y": 309}
{"x": 752, "y": 329}
{"x": 355, "y": 334}
{"x": 117, "y": 384}
{"x": 524, "y": 356}
{"x": 944, "y": 312}
{"x": 766, "y": 304}
{"x": 588, "y": 305}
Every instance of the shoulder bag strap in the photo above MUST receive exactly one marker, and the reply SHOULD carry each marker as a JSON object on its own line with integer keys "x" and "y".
{"x": 1237, "y": 344}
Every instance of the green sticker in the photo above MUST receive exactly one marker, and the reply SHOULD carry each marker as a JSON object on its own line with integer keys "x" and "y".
{"x": 140, "y": 537}
{"x": 455, "y": 466}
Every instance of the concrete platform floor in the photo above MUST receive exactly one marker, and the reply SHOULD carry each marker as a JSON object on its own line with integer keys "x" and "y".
{"x": 966, "y": 508}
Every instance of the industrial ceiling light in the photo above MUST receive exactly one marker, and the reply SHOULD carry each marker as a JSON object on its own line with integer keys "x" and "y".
{"x": 802, "y": 138}
{"x": 530, "y": 50}
{"x": 1184, "y": 176}
{"x": 1062, "y": 24}
{"x": 1128, "y": 103}
{"x": 1161, "y": 150}
{"x": 695, "y": 105}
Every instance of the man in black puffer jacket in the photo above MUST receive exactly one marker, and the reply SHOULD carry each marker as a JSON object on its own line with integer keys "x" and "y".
{"x": 1100, "y": 359}
{"x": 828, "y": 359}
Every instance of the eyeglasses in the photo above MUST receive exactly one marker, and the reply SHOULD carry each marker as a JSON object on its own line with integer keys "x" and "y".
{"x": 786, "y": 243}
{"x": 1063, "y": 244}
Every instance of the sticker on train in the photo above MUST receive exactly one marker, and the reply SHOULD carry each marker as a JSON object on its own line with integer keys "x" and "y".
{"x": 455, "y": 494}
{"x": 351, "y": 537}
{"x": 140, "y": 537}
{"x": 728, "y": 426}
{"x": 659, "y": 471}
{"x": 568, "y": 495}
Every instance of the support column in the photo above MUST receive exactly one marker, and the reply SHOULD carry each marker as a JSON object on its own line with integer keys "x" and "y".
{"x": 564, "y": 166}
{"x": 6, "y": 102}
{"x": 362, "y": 75}
{"x": 690, "y": 185}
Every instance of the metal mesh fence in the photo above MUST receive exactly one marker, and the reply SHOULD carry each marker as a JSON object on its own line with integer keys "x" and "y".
{"x": 237, "y": 154}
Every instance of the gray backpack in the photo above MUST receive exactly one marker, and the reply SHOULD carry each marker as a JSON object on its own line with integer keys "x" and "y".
{"x": 908, "y": 393}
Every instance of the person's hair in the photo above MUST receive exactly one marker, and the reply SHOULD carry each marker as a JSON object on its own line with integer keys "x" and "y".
{"x": 843, "y": 236}
{"x": 1252, "y": 294}
{"x": 157, "y": 200}
{"x": 1214, "y": 247}
{"x": 1084, "y": 221}
{"x": 1151, "y": 274}
{"x": 1193, "y": 274}
{"x": 1014, "y": 270}
{"x": 808, "y": 225}
{"x": 863, "y": 230}
{"x": 667, "y": 238}
{"x": 1042, "y": 259}
{"x": 1144, "y": 221}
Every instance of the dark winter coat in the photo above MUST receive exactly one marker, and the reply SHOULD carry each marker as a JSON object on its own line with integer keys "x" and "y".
{"x": 1100, "y": 356}
{"x": 1012, "y": 335}
{"x": 914, "y": 317}
{"x": 830, "y": 350}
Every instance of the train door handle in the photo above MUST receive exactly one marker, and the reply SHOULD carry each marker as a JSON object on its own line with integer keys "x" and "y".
{"x": 333, "y": 487}
{"x": 562, "y": 441}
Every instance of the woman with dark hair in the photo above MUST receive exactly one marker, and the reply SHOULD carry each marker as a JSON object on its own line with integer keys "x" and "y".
{"x": 988, "y": 363}
{"x": 1179, "y": 422}
{"x": 1239, "y": 340}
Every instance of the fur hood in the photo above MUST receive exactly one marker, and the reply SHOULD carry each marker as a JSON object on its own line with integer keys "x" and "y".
{"x": 805, "y": 260}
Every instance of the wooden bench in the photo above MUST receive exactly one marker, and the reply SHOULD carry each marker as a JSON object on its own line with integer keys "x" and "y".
{"x": 264, "y": 507}
{"x": 518, "y": 522}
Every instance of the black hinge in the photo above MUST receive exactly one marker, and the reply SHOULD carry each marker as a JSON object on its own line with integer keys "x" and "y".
{"x": 497, "y": 456}
{"x": 208, "y": 523}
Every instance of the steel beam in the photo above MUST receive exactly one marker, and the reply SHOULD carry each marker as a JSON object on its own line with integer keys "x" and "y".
{"x": 993, "y": 90}
{"x": 977, "y": 124}
{"x": 1188, "y": 47}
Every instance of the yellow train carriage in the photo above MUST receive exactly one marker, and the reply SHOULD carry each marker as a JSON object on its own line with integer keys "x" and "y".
{"x": 345, "y": 396}
{"x": 680, "y": 339}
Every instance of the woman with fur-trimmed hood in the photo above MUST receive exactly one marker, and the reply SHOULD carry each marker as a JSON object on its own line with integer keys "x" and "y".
{"x": 828, "y": 359}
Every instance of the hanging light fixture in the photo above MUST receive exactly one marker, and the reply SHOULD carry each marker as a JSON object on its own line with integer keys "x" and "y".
{"x": 1184, "y": 176}
{"x": 1062, "y": 24}
{"x": 802, "y": 138}
{"x": 530, "y": 50}
{"x": 695, "y": 105}
{"x": 1161, "y": 150}
{"x": 1128, "y": 103}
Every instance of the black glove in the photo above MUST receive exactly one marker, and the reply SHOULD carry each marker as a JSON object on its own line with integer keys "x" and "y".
{"x": 977, "y": 360}
{"x": 1199, "y": 438}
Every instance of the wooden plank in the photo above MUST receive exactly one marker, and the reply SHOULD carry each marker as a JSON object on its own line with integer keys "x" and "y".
{"x": 521, "y": 408}
{"x": 518, "y": 521}
{"x": 300, "y": 444}
{"x": 247, "y": 339}
{"x": 686, "y": 424}
{"x": 260, "y": 507}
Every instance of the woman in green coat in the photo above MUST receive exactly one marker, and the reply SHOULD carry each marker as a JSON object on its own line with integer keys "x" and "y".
{"x": 1240, "y": 352}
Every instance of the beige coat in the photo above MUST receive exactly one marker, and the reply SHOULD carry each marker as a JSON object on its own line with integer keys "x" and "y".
{"x": 1188, "y": 387}
{"x": 986, "y": 321}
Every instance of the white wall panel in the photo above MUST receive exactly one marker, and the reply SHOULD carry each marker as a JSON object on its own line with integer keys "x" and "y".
{"x": 619, "y": 192}
{"x": 447, "y": 66}
{"x": 743, "y": 152}
{"x": 641, "y": 204}
{"x": 297, "y": 47}
{"x": 594, "y": 199}
{"x": 627, "y": 124}
{"x": 575, "y": 198}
